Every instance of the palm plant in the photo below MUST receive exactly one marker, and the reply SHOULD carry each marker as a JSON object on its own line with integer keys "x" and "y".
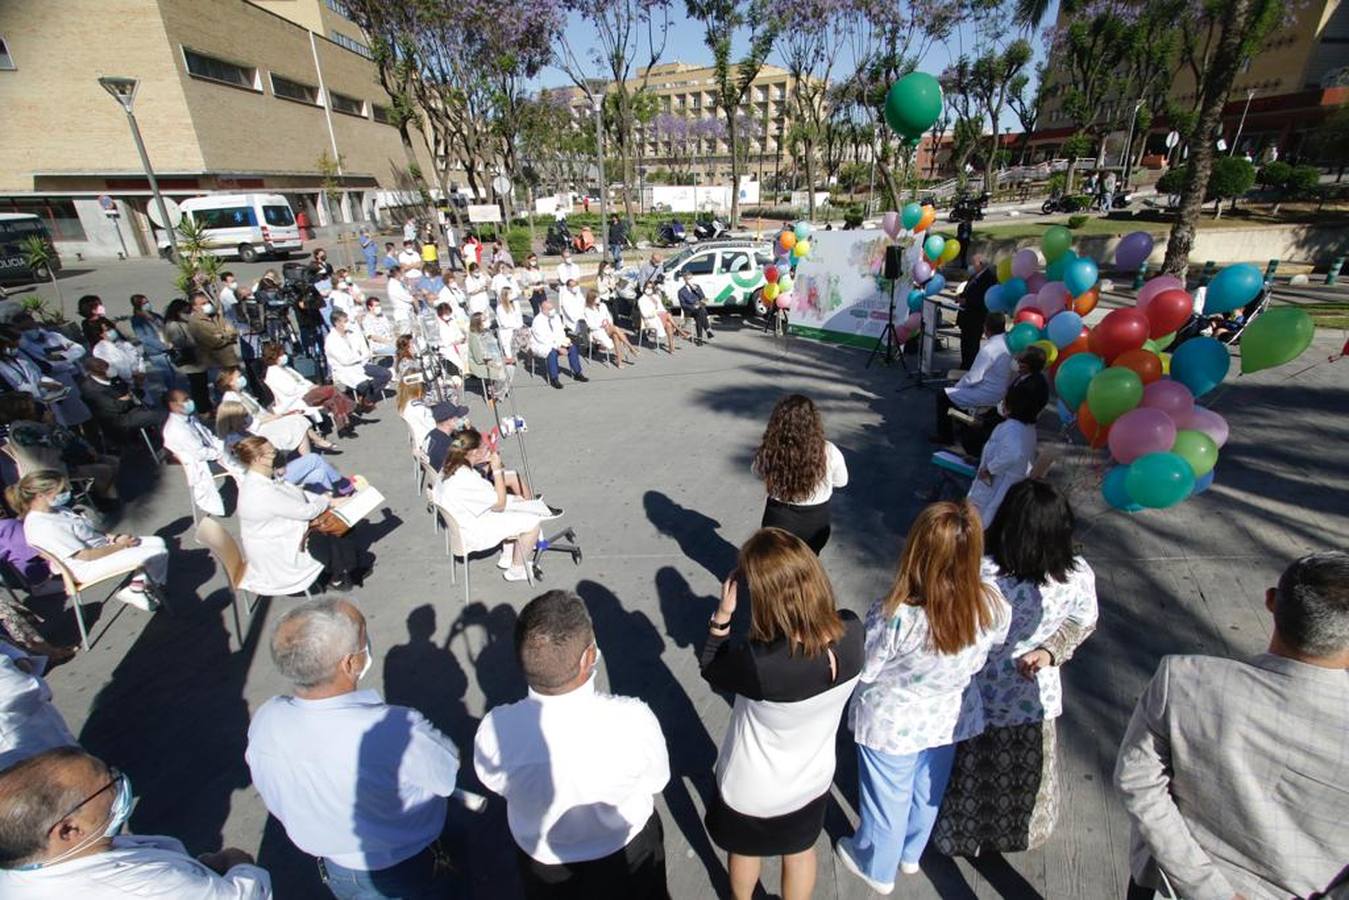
{"x": 194, "y": 257}
{"x": 41, "y": 257}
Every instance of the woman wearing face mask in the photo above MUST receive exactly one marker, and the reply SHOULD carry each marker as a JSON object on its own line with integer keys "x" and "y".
{"x": 179, "y": 336}
{"x": 122, "y": 356}
{"x": 41, "y": 498}
{"x": 453, "y": 340}
{"x": 288, "y": 431}
{"x": 533, "y": 283}
{"x": 655, "y": 317}
{"x": 92, "y": 313}
{"x": 291, "y": 390}
{"x": 310, "y": 471}
{"x": 510, "y": 322}
{"x": 284, "y": 556}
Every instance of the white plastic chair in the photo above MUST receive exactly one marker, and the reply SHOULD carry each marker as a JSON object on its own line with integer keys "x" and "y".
{"x": 230, "y": 557}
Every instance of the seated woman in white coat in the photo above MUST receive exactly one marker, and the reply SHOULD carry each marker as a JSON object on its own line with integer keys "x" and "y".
{"x": 510, "y": 323}
{"x": 1008, "y": 456}
{"x": 604, "y": 332}
{"x": 453, "y": 338}
{"x": 40, "y": 498}
{"x": 288, "y": 431}
{"x": 284, "y": 556}
{"x": 291, "y": 390}
{"x": 414, "y": 409}
{"x": 309, "y": 470}
{"x": 655, "y": 317}
{"x": 488, "y": 516}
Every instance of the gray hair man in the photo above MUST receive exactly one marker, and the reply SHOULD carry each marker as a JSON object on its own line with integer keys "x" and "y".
{"x": 357, "y": 782}
{"x": 1234, "y": 772}
{"x": 577, "y": 768}
{"x": 60, "y": 814}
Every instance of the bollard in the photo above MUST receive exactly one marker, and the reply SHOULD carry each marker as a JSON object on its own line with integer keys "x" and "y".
{"x": 1335, "y": 268}
{"x": 1141, "y": 276}
{"x": 1209, "y": 268}
{"x": 1270, "y": 270}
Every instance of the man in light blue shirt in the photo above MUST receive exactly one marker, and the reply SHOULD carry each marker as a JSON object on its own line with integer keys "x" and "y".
{"x": 358, "y": 783}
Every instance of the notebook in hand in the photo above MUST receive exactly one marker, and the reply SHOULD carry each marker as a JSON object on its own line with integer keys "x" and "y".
{"x": 360, "y": 505}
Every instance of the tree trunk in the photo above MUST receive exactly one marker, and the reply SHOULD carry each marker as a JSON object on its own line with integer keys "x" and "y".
{"x": 731, "y": 138}
{"x": 809, "y": 150}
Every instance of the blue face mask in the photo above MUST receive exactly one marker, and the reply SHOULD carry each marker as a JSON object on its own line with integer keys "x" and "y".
{"x": 189, "y": 407}
{"x": 61, "y": 499}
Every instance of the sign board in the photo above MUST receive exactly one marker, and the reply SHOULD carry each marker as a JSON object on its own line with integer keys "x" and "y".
{"x": 175, "y": 213}
{"x": 484, "y": 212}
{"x": 1222, "y": 145}
{"x": 501, "y": 184}
{"x": 838, "y": 294}
{"x": 1172, "y": 139}
{"x": 108, "y": 206}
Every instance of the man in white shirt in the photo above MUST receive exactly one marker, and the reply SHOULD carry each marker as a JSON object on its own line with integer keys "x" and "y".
{"x": 196, "y": 447}
{"x": 341, "y": 296}
{"x": 547, "y": 337}
{"x": 349, "y": 358}
{"x": 410, "y": 257}
{"x": 404, "y": 304}
{"x": 356, "y": 782}
{"x": 985, "y": 384}
{"x": 61, "y": 812}
{"x": 567, "y": 270}
{"x": 228, "y": 296}
{"x": 578, "y": 769}
{"x": 377, "y": 329}
{"x": 409, "y": 230}
{"x": 29, "y": 722}
{"x": 571, "y": 304}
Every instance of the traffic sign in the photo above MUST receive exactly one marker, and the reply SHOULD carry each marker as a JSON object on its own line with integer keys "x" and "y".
{"x": 1172, "y": 140}
{"x": 501, "y": 184}
{"x": 175, "y": 213}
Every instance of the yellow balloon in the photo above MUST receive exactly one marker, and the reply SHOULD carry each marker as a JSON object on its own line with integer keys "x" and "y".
{"x": 1166, "y": 362}
{"x": 1051, "y": 352}
{"x": 801, "y": 250}
{"x": 950, "y": 251}
{"x": 1004, "y": 269}
{"x": 770, "y": 291}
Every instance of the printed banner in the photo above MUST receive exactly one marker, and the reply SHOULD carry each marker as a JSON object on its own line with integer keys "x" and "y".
{"x": 838, "y": 292}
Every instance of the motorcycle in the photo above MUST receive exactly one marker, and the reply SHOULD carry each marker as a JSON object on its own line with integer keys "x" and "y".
{"x": 710, "y": 229}
{"x": 672, "y": 234}
{"x": 584, "y": 242}
{"x": 1065, "y": 203}
{"x": 557, "y": 239}
{"x": 969, "y": 208}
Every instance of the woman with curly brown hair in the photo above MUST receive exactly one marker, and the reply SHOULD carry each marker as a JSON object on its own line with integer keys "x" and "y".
{"x": 800, "y": 470}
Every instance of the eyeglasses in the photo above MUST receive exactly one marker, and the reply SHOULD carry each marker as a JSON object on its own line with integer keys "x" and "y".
{"x": 115, "y": 779}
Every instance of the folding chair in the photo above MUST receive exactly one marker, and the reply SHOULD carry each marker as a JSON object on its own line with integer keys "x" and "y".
{"x": 212, "y": 535}
{"x": 150, "y": 445}
{"x": 76, "y": 588}
{"x": 657, "y": 332}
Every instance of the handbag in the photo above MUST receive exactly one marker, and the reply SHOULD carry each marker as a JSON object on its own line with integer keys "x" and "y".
{"x": 330, "y": 523}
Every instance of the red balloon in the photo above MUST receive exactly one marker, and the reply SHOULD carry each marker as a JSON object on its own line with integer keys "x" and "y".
{"x": 1033, "y": 316}
{"x": 1167, "y": 311}
{"x": 770, "y": 274}
{"x": 1120, "y": 331}
{"x": 1145, "y": 364}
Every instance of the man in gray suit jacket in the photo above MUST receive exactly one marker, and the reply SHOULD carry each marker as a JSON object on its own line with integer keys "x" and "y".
{"x": 1235, "y": 774}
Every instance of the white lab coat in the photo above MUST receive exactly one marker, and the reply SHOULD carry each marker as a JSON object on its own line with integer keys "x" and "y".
{"x": 571, "y": 304}
{"x": 347, "y": 355}
{"x": 546, "y": 334}
{"x": 273, "y": 519}
{"x": 139, "y": 865}
{"x": 1008, "y": 457}
{"x": 477, "y": 289}
{"x": 566, "y": 272}
{"x": 402, "y": 300}
{"x": 121, "y": 356}
{"x": 341, "y": 299}
{"x": 288, "y": 388}
{"x": 420, "y": 421}
{"x": 196, "y": 448}
{"x": 595, "y": 318}
{"x": 649, "y": 307}
{"x": 284, "y": 433}
{"x": 469, "y": 498}
{"x": 509, "y": 321}
{"x": 453, "y": 343}
{"x": 29, "y": 722}
{"x": 986, "y": 383}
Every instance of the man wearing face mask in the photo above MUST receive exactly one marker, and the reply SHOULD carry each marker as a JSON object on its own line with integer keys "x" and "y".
{"x": 196, "y": 447}
{"x": 358, "y": 783}
{"x": 115, "y": 408}
{"x": 578, "y": 769}
{"x": 217, "y": 341}
{"x": 61, "y": 812}
{"x": 547, "y": 339}
{"x": 378, "y": 330}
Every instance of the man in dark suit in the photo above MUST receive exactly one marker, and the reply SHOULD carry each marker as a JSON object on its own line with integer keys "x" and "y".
{"x": 694, "y": 302}
{"x": 973, "y": 312}
{"x": 116, "y": 409}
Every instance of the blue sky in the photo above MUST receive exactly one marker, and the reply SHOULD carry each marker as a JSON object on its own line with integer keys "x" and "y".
{"x": 686, "y": 45}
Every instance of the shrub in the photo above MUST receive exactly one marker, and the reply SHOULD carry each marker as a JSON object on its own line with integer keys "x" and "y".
{"x": 1303, "y": 180}
{"x": 1232, "y": 176}
{"x": 1172, "y": 181}
{"x": 1274, "y": 174}
{"x": 852, "y": 216}
{"x": 517, "y": 241}
{"x": 1076, "y": 222}
{"x": 1057, "y": 182}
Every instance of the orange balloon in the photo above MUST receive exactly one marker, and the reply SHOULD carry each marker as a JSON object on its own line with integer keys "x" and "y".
{"x": 1146, "y": 364}
{"x": 787, "y": 240}
{"x": 1095, "y": 433}
{"x": 1079, "y": 345}
{"x": 1087, "y": 302}
{"x": 929, "y": 216}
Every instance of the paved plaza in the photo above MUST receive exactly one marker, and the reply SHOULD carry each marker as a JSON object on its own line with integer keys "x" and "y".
{"x": 652, "y": 466}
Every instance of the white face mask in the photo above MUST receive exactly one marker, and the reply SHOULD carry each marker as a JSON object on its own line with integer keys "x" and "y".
{"x": 369, "y": 659}
{"x": 282, "y": 359}
{"x": 208, "y": 308}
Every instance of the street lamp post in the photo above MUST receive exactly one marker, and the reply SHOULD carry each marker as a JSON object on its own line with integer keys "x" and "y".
{"x": 599, "y": 146}
{"x": 1242, "y": 124}
{"x": 123, "y": 90}
{"x": 1129, "y": 144}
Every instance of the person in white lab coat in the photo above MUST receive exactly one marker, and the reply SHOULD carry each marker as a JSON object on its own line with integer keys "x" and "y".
{"x": 603, "y": 331}
{"x": 566, "y": 270}
{"x": 510, "y": 319}
{"x": 64, "y": 810}
{"x": 289, "y": 431}
{"x": 984, "y": 385}
{"x": 505, "y": 278}
{"x": 29, "y": 721}
{"x": 196, "y": 448}
{"x": 477, "y": 287}
{"x": 402, "y": 300}
{"x": 571, "y": 304}
{"x": 1008, "y": 455}
{"x": 547, "y": 339}
{"x": 349, "y": 358}
{"x": 284, "y": 556}
{"x": 123, "y": 357}
{"x": 453, "y": 338}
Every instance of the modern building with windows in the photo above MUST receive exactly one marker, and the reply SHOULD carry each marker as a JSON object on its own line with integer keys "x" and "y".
{"x": 233, "y": 95}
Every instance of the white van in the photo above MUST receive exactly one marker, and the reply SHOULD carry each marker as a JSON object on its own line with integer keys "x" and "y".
{"x": 245, "y": 225}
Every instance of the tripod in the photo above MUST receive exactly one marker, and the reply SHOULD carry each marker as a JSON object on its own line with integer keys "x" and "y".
{"x": 887, "y": 337}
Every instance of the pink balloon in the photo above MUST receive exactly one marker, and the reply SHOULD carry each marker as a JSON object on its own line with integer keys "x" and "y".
{"x": 785, "y": 301}
{"x": 1025, "y": 263}
{"x": 909, "y": 327}
{"x": 1156, "y": 286}
{"x": 890, "y": 223}
{"x": 1171, "y": 397}
{"x": 1030, "y": 301}
{"x": 1207, "y": 421}
{"x": 1054, "y": 297}
{"x": 922, "y": 271}
{"x": 1036, "y": 281}
{"x": 1140, "y": 432}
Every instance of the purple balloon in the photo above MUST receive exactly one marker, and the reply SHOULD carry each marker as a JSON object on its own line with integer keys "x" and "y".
{"x": 1133, "y": 249}
{"x": 922, "y": 271}
{"x": 1155, "y": 286}
{"x": 1029, "y": 301}
{"x": 1053, "y": 298}
{"x": 1036, "y": 281}
{"x": 890, "y": 223}
{"x": 1140, "y": 432}
{"x": 1207, "y": 421}
{"x": 1171, "y": 397}
{"x": 1025, "y": 263}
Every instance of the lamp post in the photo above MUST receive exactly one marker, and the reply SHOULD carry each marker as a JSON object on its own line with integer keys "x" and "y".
{"x": 123, "y": 90}
{"x": 599, "y": 146}
{"x": 1242, "y": 124}
{"x": 1127, "y": 162}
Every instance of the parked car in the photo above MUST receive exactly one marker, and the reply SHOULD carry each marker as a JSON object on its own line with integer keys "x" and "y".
{"x": 731, "y": 273}
{"x": 245, "y": 225}
{"x": 14, "y": 229}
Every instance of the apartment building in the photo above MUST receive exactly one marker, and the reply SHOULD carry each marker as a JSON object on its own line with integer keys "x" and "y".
{"x": 233, "y": 95}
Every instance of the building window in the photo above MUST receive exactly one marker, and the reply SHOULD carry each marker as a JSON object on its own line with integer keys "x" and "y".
{"x": 60, "y": 217}
{"x": 351, "y": 44}
{"x": 200, "y": 65}
{"x": 380, "y": 113}
{"x": 344, "y": 104}
{"x": 338, "y": 7}
{"x": 294, "y": 90}
{"x": 6, "y": 61}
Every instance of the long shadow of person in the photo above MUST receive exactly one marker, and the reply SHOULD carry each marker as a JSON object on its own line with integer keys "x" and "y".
{"x": 695, "y": 533}
{"x": 429, "y": 679}
{"x": 633, "y": 650}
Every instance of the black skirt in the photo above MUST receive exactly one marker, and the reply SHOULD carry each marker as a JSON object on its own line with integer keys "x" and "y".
{"x": 809, "y": 523}
{"x": 745, "y": 835}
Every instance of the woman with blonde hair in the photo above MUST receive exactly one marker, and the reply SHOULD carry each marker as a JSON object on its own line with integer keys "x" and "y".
{"x": 603, "y": 331}
{"x": 800, "y": 470}
{"x": 792, "y": 678}
{"x": 412, "y": 407}
{"x": 510, "y": 322}
{"x": 287, "y": 431}
{"x": 925, "y": 640}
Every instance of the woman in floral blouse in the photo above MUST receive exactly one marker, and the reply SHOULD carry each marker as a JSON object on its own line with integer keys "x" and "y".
{"x": 1003, "y": 795}
{"x": 925, "y": 640}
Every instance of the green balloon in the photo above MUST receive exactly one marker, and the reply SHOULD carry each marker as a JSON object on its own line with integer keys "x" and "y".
{"x": 1054, "y": 271}
{"x": 1197, "y": 449}
{"x": 1056, "y": 242}
{"x": 1277, "y": 337}
{"x": 1159, "y": 480}
{"x": 1073, "y": 377}
{"x": 1022, "y": 335}
{"x": 1114, "y": 392}
{"x": 913, "y": 104}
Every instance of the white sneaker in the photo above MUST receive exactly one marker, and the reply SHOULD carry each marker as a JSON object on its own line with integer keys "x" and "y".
{"x": 909, "y": 868}
{"x": 137, "y": 598}
{"x": 843, "y": 850}
{"x": 515, "y": 573}
{"x": 507, "y": 557}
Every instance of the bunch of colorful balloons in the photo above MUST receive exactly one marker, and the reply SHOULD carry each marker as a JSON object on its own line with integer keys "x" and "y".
{"x": 792, "y": 246}
{"x": 1116, "y": 382}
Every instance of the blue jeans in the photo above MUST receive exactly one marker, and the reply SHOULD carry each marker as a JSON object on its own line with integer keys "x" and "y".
{"x": 616, "y": 251}
{"x": 371, "y": 262}
{"x": 573, "y": 360}
{"x": 312, "y": 470}
{"x": 900, "y": 796}
{"x": 412, "y": 879}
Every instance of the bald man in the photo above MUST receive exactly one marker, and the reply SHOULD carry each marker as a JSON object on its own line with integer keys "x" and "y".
{"x": 60, "y": 814}
{"x": 357, "y": 783}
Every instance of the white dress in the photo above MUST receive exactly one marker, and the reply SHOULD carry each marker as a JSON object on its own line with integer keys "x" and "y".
{"x": 273, "y": 520}
{"x": 1008, "y": 457}
{"x": 595, "y": 318}
{"x": 468, "y": 498}
{"x": 509, "y": 321}
{"x": 284, "y": 432}
{"x": 453, "y": 343}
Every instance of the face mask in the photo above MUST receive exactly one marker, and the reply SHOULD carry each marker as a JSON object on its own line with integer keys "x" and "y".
{"x": 377, "y": 311}
{"x": 117, "y": 816}
{"x": 208, "y": 308}
{"x": 189, "y": 407}
{"x": 369, "y": 659}
{"x": 111, "y": 336}
{"x": 282, "y": 359}
{"x": 98, "y": 311}
{"x": 61, "y": 499}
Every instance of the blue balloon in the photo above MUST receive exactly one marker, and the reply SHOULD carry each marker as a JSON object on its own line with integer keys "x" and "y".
{"x": 1015, "y": 289}
{"x": 1064, "y": 328}
{"x": 1054, "y": 271}
{"x": 915, "y": 300}
{"x": 784, "y": 267}
{"x": 1080, "y": 274}
{"x": 1065, "y": 414}
{"x": 1202, "y": 483}
{"x": 993, "y": 299}
{"x": 802, "y": 231}
{"x": 1200, "y": 364}
{"x": 1114, "y": 491}
{"x": 935, "y": 284}
{"x": 1232, "y": 287}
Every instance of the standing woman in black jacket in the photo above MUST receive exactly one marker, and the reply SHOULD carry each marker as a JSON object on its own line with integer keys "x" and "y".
{"x": 800, "y": 471}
